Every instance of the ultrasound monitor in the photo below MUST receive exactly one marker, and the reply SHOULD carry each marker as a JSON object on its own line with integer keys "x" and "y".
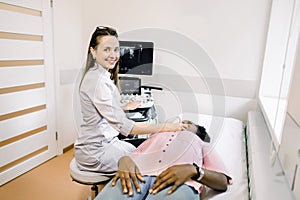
{"x": 130, "y": 85}
{"x": 136, "y": 57}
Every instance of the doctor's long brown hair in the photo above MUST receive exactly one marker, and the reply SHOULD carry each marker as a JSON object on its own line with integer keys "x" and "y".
{"x": 94, "y": 42}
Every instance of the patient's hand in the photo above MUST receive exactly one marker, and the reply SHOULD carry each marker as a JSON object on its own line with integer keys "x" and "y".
{"x": 175, "y": 175}
{"x": 128, "y": 170}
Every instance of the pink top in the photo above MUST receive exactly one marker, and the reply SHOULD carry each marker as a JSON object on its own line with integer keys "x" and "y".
{"x": 165, "y": 149}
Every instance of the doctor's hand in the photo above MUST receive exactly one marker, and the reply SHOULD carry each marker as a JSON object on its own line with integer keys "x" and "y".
{"x": 174, "y": 127}
{"x": 128, "y": 171}
{"x": 175, "y": 175}
{"x": 132, "y": 105}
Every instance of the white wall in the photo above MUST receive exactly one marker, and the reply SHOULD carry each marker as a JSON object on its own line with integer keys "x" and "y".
{"x": 69, "y": 56}
{"x": 231, "y": 34}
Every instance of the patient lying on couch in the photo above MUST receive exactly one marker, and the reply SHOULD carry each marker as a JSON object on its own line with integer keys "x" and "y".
{"x": 170, "y": 165}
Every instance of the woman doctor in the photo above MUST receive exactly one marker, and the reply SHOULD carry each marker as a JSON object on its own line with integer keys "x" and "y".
{"x": 98, "y": 147}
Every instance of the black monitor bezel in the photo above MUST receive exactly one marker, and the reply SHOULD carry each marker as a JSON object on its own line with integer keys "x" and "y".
{"x": 144, "y": 68}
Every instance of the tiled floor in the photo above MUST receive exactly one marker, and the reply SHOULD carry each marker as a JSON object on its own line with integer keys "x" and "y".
{"x": 49, "y": 181}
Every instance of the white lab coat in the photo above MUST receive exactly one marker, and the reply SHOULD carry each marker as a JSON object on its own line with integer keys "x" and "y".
{"x": 97, "y": 147}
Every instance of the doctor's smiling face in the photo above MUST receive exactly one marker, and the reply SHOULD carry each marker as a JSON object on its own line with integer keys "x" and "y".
{"x": 107, "y": 52}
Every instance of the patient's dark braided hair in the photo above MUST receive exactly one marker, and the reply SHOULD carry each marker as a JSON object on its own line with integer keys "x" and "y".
{"x": 201, "y": 132}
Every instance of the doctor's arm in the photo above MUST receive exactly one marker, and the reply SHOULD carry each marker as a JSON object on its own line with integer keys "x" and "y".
{"x": 146, "y": 128}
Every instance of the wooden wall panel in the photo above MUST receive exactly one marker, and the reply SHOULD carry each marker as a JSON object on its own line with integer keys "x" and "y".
{"x": 21, "y": 88}
{"x": 22, "y": 100}
{"x": 20, "y": 23}
{"x": 26, "y": 75}
{"x": 27, "y": 111}
{"x": 22, "y": 148}
{"x": 19, "y": 125}
{"x": 21, "y": 50}
{"x": 35, "y": 5}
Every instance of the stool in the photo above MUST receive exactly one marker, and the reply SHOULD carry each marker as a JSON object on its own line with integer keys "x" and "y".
{"x": 86, "y": 177}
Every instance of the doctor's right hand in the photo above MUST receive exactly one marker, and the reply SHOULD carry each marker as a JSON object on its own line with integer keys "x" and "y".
{"x": 175, "y": 126}
{"x": 127, "y": 171}
{"x": 132, "y": 105}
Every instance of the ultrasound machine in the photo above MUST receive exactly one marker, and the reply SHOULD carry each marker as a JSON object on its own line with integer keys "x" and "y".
{"x": 136, "y": 60}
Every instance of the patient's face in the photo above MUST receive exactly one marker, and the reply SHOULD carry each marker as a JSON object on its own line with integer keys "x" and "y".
{"x": 191, "y": 126}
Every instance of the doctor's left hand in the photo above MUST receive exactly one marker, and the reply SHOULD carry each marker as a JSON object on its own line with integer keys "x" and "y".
{"x": 128, "y": 171}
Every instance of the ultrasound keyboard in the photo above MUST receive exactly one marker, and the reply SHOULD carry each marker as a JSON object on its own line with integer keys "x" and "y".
{"x": 146, "y": 100}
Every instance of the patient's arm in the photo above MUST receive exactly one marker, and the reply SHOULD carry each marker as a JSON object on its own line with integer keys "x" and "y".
{"x": 214, "y": 180}
{"x": 178, "y": 174}
{"x": 175, "y": 175}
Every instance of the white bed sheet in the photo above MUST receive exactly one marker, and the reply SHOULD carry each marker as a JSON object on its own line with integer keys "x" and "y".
{"x": 229, "y": 140}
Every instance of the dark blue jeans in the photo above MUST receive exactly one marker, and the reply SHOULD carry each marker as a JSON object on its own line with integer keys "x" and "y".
{"x": 115, "y": 193}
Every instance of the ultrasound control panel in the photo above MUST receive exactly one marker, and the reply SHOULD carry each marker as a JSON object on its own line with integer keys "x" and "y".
{"x": 145, "y": 99}
{"x": 132, "y": 90}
